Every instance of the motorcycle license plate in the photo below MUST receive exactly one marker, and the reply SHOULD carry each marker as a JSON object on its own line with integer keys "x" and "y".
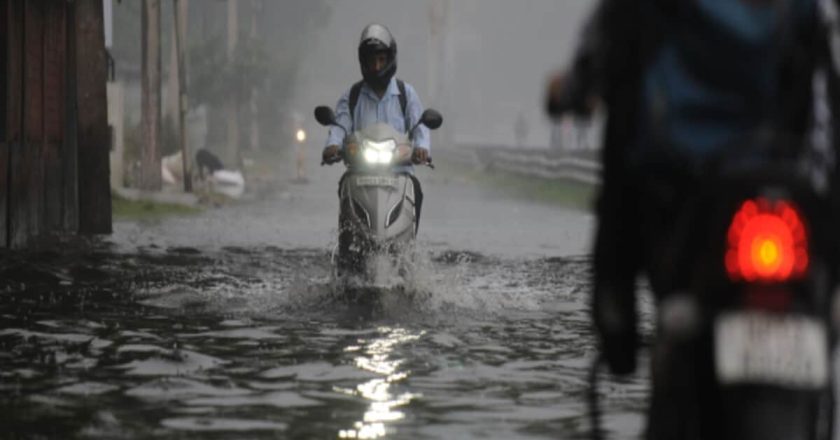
{"x": 377, "y": 181}
{"x": 759, "y": 348}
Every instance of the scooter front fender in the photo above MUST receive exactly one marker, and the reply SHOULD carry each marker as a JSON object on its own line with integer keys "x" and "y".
{"x": 382, "y": 205}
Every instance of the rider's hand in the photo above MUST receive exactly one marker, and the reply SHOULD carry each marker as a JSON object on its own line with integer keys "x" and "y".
{"x": 330, "y": 154}
{"x": 420, "y": 156}
{"x": 555, "y": 91}
{"x": 565, "y": 95}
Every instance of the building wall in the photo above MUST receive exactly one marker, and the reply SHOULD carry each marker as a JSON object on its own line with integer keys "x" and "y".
{"x": 53, "y": 139}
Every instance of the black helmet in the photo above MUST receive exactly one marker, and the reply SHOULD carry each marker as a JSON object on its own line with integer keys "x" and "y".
{"x": 375, "y": 39}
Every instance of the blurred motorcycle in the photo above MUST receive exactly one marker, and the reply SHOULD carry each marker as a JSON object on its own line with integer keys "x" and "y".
{"x": 745, "y": 339}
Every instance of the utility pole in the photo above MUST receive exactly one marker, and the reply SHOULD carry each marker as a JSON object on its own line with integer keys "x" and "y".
{"x": 233, "y": 103}
{"x": 180, "y": 8}
{"x": 150, "y": 178}
{"x": 257, "y": 7}
{"x": 437, "y": 18}
{"x": 440, "y": 61}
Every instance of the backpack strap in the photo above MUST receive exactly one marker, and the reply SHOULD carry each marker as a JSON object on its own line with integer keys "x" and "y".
{"x": 356, "y": 90}
{"x": 354, "y": 99}
{"x": 404, "y": 105}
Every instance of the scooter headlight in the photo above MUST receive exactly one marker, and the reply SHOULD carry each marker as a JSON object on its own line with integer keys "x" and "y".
{"x": 300, "y": 135}
{"x": 379, "y": 152}
{"x": 371, "y": 156}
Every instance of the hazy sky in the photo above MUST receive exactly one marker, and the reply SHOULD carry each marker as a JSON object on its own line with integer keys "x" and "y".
{"x": 501, "y": 54}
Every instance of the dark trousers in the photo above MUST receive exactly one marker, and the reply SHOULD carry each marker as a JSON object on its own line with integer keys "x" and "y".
{"x": 418, "y": 201}
{"x": 645, "y": 227}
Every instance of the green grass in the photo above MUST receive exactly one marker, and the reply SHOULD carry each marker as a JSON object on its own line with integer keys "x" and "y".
{"x": 124, "y": 209}
{"x": 568, "y": 193}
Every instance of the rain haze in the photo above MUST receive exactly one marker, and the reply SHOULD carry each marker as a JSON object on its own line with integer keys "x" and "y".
{"x": 234, "y": 288}
{"x": 485, "y": 61}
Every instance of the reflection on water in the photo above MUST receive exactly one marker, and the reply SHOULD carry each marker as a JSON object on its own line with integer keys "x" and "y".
{"x": 254, "y": 342}
{"x": 383, "y": 402}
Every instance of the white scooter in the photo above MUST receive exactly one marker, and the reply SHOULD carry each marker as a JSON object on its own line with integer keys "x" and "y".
{"x": 378, "y": 213}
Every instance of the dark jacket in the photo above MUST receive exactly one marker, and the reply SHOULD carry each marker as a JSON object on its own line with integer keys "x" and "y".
{"x": 670, "y": 73}
{"x": 685, "y": 78}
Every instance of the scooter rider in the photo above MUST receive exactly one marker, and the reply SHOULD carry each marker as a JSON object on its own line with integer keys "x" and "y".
{"x": 379, "y": 97}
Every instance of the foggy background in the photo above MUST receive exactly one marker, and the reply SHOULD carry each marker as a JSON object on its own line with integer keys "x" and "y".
{"x": 229, "y": 320}
{"x": 482, "y": 63}
{"x": 497, "y": 55}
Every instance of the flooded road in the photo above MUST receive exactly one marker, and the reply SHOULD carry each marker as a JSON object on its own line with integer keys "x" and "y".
{"x": 229, "y": 325}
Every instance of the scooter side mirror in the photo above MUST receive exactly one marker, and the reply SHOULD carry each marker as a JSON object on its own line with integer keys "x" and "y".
{"x": 325, "y": 116}
{"x": 431, "y": 118}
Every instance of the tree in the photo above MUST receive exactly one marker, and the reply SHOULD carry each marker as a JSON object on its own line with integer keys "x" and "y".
{"x": 263, "y": 65}
{"x": 179, "y": 8}
{"x": 150, "y": 177}
{"x": 233, "y": 103}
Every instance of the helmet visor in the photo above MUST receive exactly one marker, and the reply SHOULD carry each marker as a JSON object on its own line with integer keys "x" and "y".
{"x": 376, "y": 61}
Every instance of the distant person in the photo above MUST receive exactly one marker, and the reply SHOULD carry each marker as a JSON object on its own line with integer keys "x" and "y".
{"x": 207, "y": 162}
{"x": 220, "y": 180}
{"x": 563, "y": 137}
{"x": 520, "y": 130}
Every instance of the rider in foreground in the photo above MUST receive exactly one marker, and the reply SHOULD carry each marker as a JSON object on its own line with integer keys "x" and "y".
{"x": 682, "y": 82}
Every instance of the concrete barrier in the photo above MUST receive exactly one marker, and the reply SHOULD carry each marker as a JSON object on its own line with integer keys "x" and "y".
{"x": 580, "y": 166}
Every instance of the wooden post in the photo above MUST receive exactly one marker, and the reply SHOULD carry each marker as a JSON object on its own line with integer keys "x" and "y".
{"x": 150, "y": 177}
{"x": 440, "y": 64}
{"x": 257, "y": 7}
{"x": 180, "y": 10}
{"x": 4, "y": 119}
{"x": 55, "y": 66}
{"x": 17, "y": 106}
{"x": 52, "y": 120}
{"x": 93, "y": 136}
{"x": 70, "y": 148}
{"x": 10, "y": 103}
{"x": 26, "y": 160}
{"x": 233, "y": 103}
{"x": 15, "y": 89}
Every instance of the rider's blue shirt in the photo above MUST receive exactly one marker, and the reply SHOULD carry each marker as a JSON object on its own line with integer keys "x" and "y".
{"x": 715, "y": 78}
{"x": 371, "y": 110}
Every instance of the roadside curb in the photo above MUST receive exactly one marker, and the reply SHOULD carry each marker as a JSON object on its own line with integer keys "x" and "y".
{"x": 171, "y": 198}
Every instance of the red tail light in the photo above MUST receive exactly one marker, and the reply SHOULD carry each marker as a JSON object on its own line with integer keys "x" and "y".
{"x": 767, "y": 242}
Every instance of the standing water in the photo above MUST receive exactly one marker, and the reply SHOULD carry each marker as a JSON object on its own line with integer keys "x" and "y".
{"x": 229, "y": 325}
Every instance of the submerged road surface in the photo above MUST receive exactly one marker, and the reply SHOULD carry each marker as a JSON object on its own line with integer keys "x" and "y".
{"x": 228, "y": 325}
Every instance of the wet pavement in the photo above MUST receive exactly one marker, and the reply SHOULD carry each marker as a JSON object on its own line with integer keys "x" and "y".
{"x": 229, "y": 325}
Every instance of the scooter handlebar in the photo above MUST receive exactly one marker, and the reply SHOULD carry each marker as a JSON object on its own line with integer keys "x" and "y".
{"x": 340, "y": 156}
